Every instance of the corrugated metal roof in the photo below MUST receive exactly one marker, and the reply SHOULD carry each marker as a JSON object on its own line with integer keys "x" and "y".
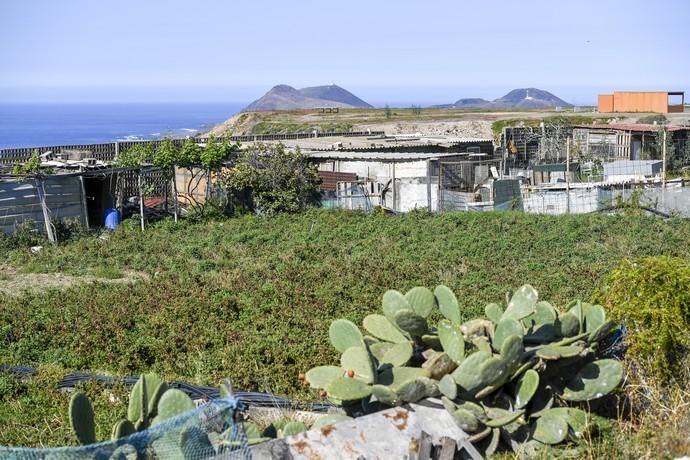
{"x": 637, "y": 127}
{"x": 387, "y": 156}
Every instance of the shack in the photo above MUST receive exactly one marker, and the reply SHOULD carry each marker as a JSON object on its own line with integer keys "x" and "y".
{"x": 404, "y": 181}
{"x": 631, "y": 141}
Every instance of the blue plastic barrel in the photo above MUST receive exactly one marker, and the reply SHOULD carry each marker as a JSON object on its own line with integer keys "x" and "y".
{"x": 111, "y": 218}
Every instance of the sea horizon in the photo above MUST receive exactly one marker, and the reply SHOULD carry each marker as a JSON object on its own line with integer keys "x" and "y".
{"x": 40, "y": 124}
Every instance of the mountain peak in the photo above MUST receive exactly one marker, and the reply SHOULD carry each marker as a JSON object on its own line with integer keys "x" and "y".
{"x": 517, "y": 98}
{"x": 530, "y": 97}
{"x": 285, "y": 97}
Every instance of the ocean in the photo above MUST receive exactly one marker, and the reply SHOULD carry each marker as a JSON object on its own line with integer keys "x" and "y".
{"x": 36, "y": 125}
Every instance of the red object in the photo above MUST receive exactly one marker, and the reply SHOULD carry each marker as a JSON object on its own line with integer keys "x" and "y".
{"x": 330, "y": 179}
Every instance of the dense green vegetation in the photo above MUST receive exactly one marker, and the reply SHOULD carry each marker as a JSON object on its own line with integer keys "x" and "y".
{"x": 251, "y": 298}
{"x": 651, "y": 297}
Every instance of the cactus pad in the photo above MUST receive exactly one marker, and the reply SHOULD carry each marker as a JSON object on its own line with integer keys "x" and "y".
{"x": 416, "y": 389}
{"x": 421, "y": 300}
{"x": 569, "y": 325}
{"x": 482, "y": 343}
{"x": 494, "y": 312}
{"x": 550, "y": 428}
{"x": 512, "y": 350}
{"x": 252, "y": 431}
{"x": 396, "y": 376}
{"x": 595, "y": 316}
{"x": 194, "y": 443}
{"x": 594, "y": 380}
{"x": 292, "y": 428}
{"x": 554, "y": 352}
{"x": 501, "y": 417}
{"x": 358, "y": 360}
{"x": 522, "y": 303}
{"x": 173, "y": 402}
{"x": 447, "y": 303}
{"x": 122, "y": 428}
{"x": 319, "y": 377}
{"x": 385, "y": 395}
{"x": 379, "y": 349}
{"x": 505, "y": 328}
{"x": 603, "y": 331}
{"x": 492, "y": 371}
{"x": 411, "y": 322}
{"x": 142, "y": 397}
{"x": 448, "y": 387}
{"x": 452, "y": 340}
{"x": 467, "y": 374}
{"x": 344, "y": 390}
{"x": 466, "y": 421}
{"x": 380, "y": 327}
{"x": 578, "y": 311}
{"x": 398, "y": 354}
{"x": 526, "y": 388}
{"x": 81, "y": 418}
{"x": 577, "y": 419}
{"x": 344, "y": 334}
{"x": 394, "y": 301}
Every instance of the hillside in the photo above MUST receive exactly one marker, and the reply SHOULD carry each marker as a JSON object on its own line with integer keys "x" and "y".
{"x": 530, "y": 98}
{"x": 521, "y": 98}
{"x": 336, "y": 94}
{"x": 256, "y": 295}
{"x": 284, "y": 97}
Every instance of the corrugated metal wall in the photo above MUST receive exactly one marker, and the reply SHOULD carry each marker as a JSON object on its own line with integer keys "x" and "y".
{"x": 20, "y": 202}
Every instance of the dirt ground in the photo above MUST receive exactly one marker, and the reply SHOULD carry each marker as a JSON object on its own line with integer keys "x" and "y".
{"x": 14, "y": 282}
{"x": 425, "y": 122}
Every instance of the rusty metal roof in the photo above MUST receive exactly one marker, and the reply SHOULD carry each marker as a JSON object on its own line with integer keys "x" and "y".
{"x": 636, "y": 127}
{"x": 330, "y": 179}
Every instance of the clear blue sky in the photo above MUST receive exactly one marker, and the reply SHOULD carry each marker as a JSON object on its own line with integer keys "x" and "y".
{"x": 383, "y": 50}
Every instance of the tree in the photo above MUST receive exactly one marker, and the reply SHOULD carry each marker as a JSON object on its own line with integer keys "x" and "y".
{"x": 136, "y": 155}
{"x": 271, "y": 179}
{"x": 166, "y": 156}
{"x": 215, "y": 152}
{"x": 31, "y": 168}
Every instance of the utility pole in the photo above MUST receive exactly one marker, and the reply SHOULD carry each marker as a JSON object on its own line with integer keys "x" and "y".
{"x": 663, "y": 158}
{"x": 567, "y": 175}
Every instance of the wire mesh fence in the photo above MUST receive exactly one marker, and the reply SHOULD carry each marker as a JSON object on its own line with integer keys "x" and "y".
{"x": 210, "y": 431}
{"x": 580, "y": 169}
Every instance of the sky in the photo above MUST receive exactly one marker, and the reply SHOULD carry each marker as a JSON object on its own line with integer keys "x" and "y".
{"x": 385, "y": 51}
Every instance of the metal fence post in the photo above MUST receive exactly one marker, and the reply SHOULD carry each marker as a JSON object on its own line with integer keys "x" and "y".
{"x": 663, "y": 158}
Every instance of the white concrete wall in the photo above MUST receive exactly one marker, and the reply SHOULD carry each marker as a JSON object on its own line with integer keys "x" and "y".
{"x": 555, "y": 202}
{"x": 411, "y": 194}
{"x": 378, "y": 170}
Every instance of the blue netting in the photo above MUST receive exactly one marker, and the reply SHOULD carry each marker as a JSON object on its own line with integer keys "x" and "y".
{"x": 210, "y": 431}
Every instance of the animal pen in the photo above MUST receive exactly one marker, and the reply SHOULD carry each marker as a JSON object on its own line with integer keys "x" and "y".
{"x": 85, "y": 197}
{"x": 600, "y": 168}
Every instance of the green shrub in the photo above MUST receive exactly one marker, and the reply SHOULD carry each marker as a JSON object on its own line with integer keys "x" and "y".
{"x": 658, "y": 118}
{"x": 651, "y": 297}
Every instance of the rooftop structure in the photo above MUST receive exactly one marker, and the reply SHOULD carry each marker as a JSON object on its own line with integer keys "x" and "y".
{"x": 642, "y": 101}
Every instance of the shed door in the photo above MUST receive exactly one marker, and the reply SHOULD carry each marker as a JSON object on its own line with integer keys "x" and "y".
{"x": 636, "y": 150}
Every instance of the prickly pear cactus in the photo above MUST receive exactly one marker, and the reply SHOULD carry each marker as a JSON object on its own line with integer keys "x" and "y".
{"x": 501, "y": 377}
{"x": 173, "y": 402}
{"x": 81, "y": 418}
